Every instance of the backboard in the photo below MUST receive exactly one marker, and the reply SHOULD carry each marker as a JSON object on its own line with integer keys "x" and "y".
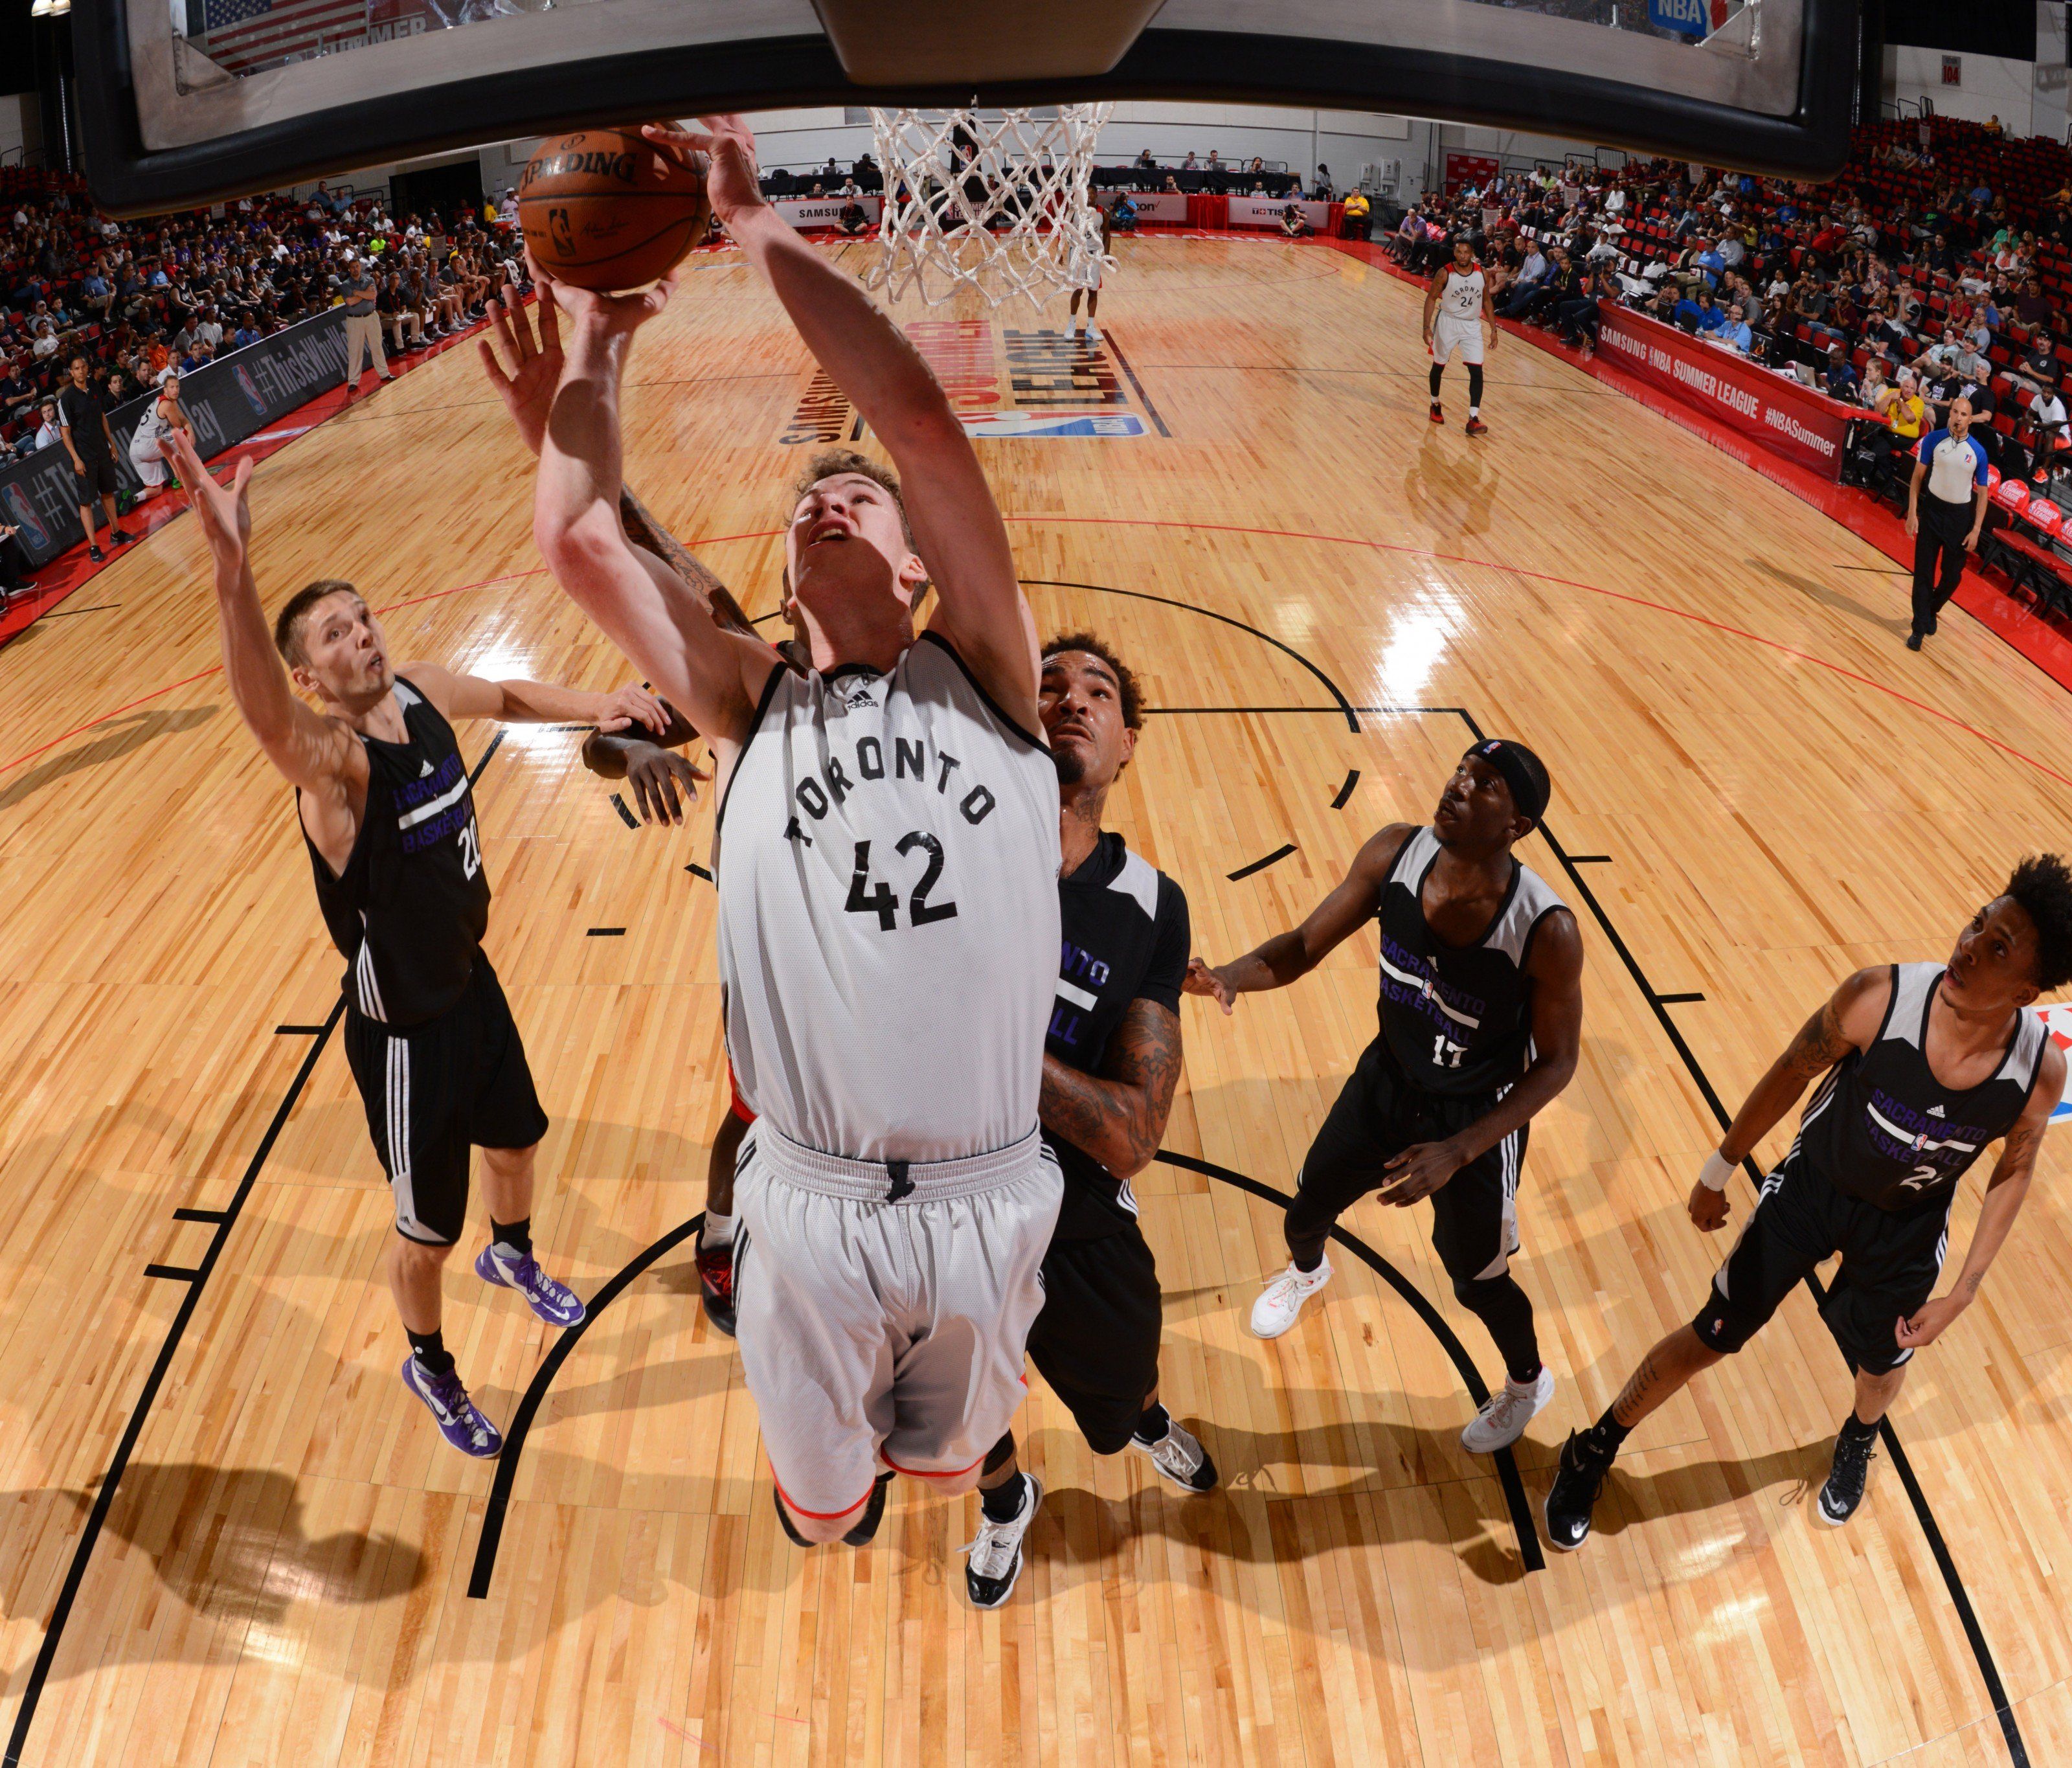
{"x": 190, "y": 100}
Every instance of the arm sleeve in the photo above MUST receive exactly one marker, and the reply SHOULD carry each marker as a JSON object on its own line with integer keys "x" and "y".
{"x": 1167, "y": 970}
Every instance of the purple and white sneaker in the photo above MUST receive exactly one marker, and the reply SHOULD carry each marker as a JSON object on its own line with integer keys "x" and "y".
{"x": 556, "y": 1303}
{"x": 461, "y": 1422}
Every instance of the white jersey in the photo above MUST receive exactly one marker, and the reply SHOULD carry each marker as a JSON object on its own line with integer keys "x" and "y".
{"x": 1462, "y": 297}
{"x": 152, "y": 429}
{"x": 887, "y": 864}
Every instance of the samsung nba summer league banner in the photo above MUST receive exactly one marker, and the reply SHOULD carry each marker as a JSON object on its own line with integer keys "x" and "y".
{"x": 803, "y": 212}
{"x": 1787, "y": 418}
{"x": 229, "y": 401}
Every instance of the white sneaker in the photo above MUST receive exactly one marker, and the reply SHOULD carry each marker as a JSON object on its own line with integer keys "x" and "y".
{"x": 1280, "y": 1301}
{"x": 1093, "y": 334}
{"x": 1506, "y": 1413}
{"x": 1179, "y": 1456}
{"x": 995, "y": 1550}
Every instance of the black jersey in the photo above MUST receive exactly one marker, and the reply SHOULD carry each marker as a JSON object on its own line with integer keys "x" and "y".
{"x": 1883, "y": 1130}
{"x": 410, "y": 910}
{"x": 1125, "y": 939}
{"x": 1457, "y": 1018}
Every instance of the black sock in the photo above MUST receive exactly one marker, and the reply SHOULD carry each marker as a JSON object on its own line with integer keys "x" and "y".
{"x": 1003, "y": 1503}
{"x": 430, "y": 1349}
{"x": 1854, "y": 1426}
{"x": 1152, "y": 1427}
{"x": 1438, "y": 374}
{"x": 1608, "y": 1434}
{"x": 1475, "y": 385}
{"x": 516, "y": 1238}
{"x": 1305, "y": 1265}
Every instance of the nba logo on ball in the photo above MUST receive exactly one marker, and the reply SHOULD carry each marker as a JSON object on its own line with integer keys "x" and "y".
{"x": 250, "y": 388}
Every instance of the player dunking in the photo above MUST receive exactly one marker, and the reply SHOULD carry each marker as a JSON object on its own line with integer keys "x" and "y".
{"x": 1481, "y": 1014}
{"x": 1456, "y": 308}
{"x": 1110, "y": 1065}
{"x": 387, "y": 813}
{"x": 887, "y": 844}
{"x": 1925, "y": 1063}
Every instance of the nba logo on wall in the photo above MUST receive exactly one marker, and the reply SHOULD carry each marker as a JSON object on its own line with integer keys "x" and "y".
{"x": 2057, "y": 1021}
{"x": 1692, "y": 17}
{"x": 22, "y": 514}
{"x": 250, "y": 388}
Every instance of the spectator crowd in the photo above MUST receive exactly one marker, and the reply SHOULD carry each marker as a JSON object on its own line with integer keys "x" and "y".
{"x": 1938, "y": 266}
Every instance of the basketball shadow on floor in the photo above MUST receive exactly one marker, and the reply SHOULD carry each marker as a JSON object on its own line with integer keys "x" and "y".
{"x": 231, "y": 1545}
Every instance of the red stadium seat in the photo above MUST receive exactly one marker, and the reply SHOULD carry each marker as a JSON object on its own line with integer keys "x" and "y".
{"x": 2045, "y": 515}
{"x": 2012, "y": 496}
{"x": 1992, "y": 479}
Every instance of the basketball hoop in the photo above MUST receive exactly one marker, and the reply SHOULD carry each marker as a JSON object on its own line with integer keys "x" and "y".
{"x": 995, "y": 202}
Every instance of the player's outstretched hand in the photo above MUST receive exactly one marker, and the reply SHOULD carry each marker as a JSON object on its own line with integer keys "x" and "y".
{"x": 1418, "y": 1170}
{"x": 593, "y": 312}
{"x": 1201, "y": 980}
{"x": 1927, "y": 1324}
{"x": 528, "y": 369}
{"x": 1708, "y": 1208}
{"x": 657, "y": 775}
{"x": 224, "y": 510}
{"x": 723, "y": 148}
{"x": 634, "y": 706}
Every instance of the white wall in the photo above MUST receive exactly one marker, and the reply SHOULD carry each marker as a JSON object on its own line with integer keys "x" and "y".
{"x": 20, "y": 124}
{"x": 1992, "y": 85}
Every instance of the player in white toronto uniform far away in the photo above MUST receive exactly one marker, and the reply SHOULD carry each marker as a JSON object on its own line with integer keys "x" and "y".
{"x": 887, "y": 856}
{"x": 1456, "y": 306}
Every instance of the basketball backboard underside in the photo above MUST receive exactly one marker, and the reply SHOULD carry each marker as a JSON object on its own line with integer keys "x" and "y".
{"x": 191, "y": 100}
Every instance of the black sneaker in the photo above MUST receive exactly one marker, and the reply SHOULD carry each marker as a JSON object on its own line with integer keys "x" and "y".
{"x": 866, "y": 1531}
{"x": 1913, "y": 641}
{"x": 94, "y": 553}
{"x": 715, "y": 1266}
{"x": 1846, "y": 1478}
{"x": 120, "y": 537}
{"x": 1573, "y": 1494}
{"x": 1179, "y": 1456}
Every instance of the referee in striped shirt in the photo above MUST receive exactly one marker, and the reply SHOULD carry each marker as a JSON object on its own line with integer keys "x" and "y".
{"x": 1946, "y": 507}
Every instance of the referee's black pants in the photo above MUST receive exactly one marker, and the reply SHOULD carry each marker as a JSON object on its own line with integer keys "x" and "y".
{"x": 1943, "y": 526}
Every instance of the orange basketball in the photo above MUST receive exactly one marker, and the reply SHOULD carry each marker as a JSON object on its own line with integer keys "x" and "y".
{"x": 601, "y": 209}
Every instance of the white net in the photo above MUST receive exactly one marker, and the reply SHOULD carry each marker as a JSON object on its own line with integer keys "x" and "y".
{"x": 995, "y": 201}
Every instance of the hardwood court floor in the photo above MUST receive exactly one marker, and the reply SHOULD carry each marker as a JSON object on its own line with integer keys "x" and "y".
{"x": 1756, "y": 789}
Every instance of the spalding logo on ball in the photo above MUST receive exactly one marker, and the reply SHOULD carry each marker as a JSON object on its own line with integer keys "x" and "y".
{"x": 601, "y": 209}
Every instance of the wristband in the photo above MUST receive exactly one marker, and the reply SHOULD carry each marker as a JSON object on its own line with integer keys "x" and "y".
{"x": 1715, "y": 1172}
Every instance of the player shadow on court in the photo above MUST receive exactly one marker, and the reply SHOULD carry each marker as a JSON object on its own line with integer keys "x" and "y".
{"x": 1897, "y": 624}
{"x": 115, "y": 741}
{"x": 1450, "y": 492}
{"x": 231, "y": 1545}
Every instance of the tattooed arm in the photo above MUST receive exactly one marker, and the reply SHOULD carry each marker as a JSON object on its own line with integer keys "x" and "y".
{"x": 646, "y": 533}
{"x": 2005, "y": 1192}
{"x": 1119, "y": 1116}
{"x": 1847, "y": 1020}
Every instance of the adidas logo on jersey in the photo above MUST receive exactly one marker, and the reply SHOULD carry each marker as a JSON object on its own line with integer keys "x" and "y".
{"x": 858, "y": 699}
{"x": 1935, "y": 1111}
{"x": 427, "y": 773}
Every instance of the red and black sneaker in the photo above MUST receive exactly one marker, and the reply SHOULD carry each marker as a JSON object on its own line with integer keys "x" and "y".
{"x": 716, "y": 1284}
{"x": 1438, "y": 412}
{"x": 1477, "y": 427}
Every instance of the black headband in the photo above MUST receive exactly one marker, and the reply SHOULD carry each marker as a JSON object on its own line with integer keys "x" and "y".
{"x": 1523, "y": 772}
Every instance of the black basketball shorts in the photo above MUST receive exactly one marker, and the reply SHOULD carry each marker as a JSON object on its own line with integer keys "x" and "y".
{"x": 1381, "y": 1112}
{"x": 433, "y": 1091}
{"x": 1096, "y": 1340}
{"x": 93, "y": 477}
{"x": 1889, "y": 1266}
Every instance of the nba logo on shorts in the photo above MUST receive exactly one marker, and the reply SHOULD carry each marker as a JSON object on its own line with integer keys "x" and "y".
{"x": 22, "y": 514}
{"x": 250, "y": 388}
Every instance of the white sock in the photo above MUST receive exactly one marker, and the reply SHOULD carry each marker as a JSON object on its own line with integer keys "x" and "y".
{"x": 1475, "y": 411}
{"x": 718, "y": 1229}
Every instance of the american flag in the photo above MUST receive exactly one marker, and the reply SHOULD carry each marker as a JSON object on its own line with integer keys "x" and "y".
{"x": 242, "y": 36}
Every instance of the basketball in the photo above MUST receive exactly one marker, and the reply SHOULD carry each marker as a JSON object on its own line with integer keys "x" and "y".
{"x": 601, "y": 209}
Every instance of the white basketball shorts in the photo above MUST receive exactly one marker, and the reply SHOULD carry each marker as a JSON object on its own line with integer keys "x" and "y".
{"x": 883, "y": 1311}
{"x": 1449, "y": 334}
{"x": 149, "y": 458}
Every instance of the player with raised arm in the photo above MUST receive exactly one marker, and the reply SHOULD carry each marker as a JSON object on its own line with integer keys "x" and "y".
{"x": 388, "y": 815}
{"x": 1458, "y": 316}
{"x": 886, "y": 857}
{"x": 1481, "y": 1017}
{"x": 1924, "y": 1065}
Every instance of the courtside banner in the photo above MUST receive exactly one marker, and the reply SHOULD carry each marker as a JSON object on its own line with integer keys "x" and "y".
{"x": 1790, "y": 419}
{"x": 805, "y": 211}
{"x": 1267, "y": 211}
{"x": 1161, "y": 206}
{"x": 235, "y": 396}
